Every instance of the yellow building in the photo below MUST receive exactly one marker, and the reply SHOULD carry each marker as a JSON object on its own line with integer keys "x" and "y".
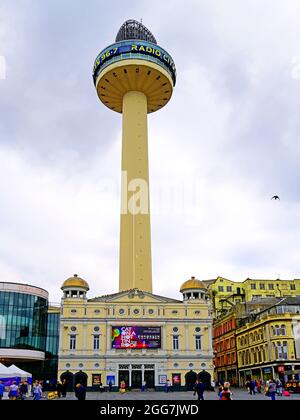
{"x": 226, "y": 293}
{"x": 269, "y": 346}
{"x": 135, "y": 335}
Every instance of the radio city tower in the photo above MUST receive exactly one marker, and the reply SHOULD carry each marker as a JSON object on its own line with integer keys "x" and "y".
{"x": 134, "y": 76}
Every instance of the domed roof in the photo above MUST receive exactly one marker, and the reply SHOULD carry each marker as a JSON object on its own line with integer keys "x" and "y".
{"x": 193, "y": 283}
{"x": 75, "y": 281}
{"x": 132, "y": 29}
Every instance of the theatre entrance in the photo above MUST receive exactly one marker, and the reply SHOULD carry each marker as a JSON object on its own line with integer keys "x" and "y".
{"x": 137, "y": 375}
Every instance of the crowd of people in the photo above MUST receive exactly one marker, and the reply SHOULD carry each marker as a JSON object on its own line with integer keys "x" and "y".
{"x": 22, "y": 390}
{"x": 270, "y": 388}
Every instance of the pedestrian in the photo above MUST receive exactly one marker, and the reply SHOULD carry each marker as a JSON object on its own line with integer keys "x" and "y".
{"x": 168, "y": 385}
{"x": 13, "y": 391}
{"x": 144, "y": 386}
{"x": 272, "y": 390}
{"x": 110, "y": 386}
{"x": 80, "y": 391}
{"x": 220, "y": 390}
{"x": 199, "y": 389}
{"x": 2, "y": 389}
{"x": 59, "y": 388}
{"x": 252, "y": 387}
{"x": 122, "y": 387}
{"x": 213, "y": 385}
{"x": 101, "y": 387}
{"x": 23, "y": 389}
{"x": 226, "y": 394}
{"x": 64, "y": 388}
{"x": 279, "y": 387}
{"x": 37, "y": 391}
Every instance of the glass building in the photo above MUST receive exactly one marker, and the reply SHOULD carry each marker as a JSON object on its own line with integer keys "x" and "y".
{"x": 29, "y": 330}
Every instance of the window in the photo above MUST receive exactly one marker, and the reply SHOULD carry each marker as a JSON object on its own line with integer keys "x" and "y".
{"x": 277, "y": 330}
{"x": 262, "y": 286}
{"x": 229, "y": 288}
{"x": 72, "y": 342}
{"x": 96, "y": 342}
{"x": 293, "y": 287}
{"x": 283, "y": 330}
{"x": 198, "y": 342}
{"x": 221, "y": 288}
{"x": 285, "y": 350}
{"x": 175, "y": 342}
{"x": 271, "y": 286}
{"x": 253, "y": 286}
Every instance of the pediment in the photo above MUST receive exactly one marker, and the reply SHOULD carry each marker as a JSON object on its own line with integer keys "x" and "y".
{"x": 134, "y": 296}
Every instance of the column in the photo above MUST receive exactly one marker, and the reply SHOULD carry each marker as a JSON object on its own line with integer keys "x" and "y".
{"x": 135, "y": 241}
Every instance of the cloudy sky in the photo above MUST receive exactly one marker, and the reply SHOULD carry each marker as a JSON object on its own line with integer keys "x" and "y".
{"x": 225, "y": 144}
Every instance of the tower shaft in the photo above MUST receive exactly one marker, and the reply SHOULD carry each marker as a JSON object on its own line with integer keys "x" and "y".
{"x": 135, "y": 235}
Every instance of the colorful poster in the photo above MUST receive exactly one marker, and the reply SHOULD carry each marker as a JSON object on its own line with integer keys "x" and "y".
{"x": 111, "y": 379}
{"x": 176, "y": 379}
{"x": 126, "y": 337}
{"x": 96, "y": 379}
{"x": 162, "y": 379}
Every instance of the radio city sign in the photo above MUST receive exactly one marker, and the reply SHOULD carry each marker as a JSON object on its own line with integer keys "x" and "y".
{"x": 129, "y": 49}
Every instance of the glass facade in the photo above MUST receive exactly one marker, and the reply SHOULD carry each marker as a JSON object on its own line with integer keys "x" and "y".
{"x": 23, "y": 321}
{"x": 52, "y": 334}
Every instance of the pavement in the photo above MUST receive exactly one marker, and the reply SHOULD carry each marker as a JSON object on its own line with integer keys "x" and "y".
{"x": 238, "y": 394}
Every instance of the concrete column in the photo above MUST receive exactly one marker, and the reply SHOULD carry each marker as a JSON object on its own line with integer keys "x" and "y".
{"x": 135, "y": 239}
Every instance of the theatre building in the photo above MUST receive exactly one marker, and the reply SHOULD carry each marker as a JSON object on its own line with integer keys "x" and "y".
{"x": 135, "y": 336}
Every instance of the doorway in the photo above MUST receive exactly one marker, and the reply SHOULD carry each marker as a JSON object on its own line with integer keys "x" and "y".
{"x": 149, "y": 376}
{"x": 136, "y": 379}
{"x": 124, "y": 376}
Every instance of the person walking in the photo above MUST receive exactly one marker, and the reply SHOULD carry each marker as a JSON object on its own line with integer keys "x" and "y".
{"x": 37, "y": 391}
{"x": 23, "y": 389}
{"x": 2, "y": 389}
{"x": 110, "y": 386}
{"x": 279, "y": 387}
{"x": 64, "y": 388}
{"x": 199, "y": 390}
{"x": 80, "y": 392}
{"x": 272, "y": 390}
{"x": 168, "y": 386}
{"x": 122, "y": 387}
{"x": 144, "y": 386}
{"x": 226, "y": 395}
{"x": 13, "y": 391}
{"x": 59, "y": 388}
{"x": 101, "y": 388}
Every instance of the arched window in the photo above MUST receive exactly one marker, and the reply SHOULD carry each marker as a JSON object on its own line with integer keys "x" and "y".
{"x": 283, "y": 329}
{"x": 251, "y": 338}
{"x": 278, "y": 330}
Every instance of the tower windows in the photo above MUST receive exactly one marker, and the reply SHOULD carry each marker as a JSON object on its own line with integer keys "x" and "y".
{"x": 96, "y": 342}
{"x": 175, "y": 342}
{"x": 198, "y": 344}
{"x": 72, "y": 342}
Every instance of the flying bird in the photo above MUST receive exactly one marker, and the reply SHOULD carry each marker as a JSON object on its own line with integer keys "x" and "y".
{"x": 275, "y": 198}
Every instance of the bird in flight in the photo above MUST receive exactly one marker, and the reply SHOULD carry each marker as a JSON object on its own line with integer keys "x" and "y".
{"x": 275, "y": 198}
